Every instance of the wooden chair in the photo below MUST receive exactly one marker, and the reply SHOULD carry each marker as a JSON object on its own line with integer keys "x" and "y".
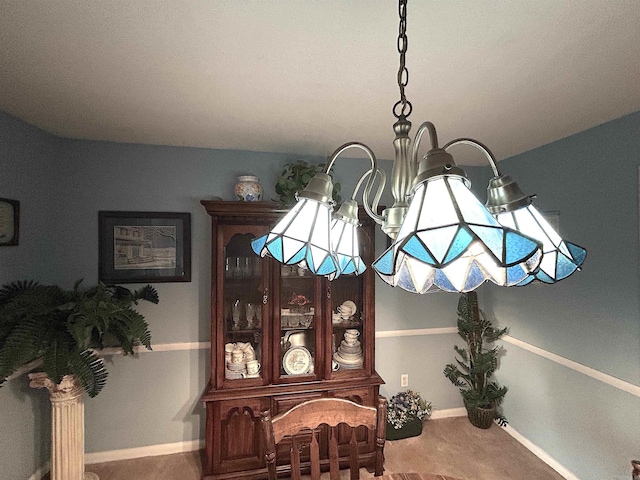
{"x": 308, "y": 416}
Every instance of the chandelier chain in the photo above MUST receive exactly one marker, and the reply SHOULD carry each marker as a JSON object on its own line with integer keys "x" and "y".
{"x": 403, "y": 72}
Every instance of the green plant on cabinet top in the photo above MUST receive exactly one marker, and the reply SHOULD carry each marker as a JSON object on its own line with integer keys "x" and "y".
{"x": 294, "y": 177}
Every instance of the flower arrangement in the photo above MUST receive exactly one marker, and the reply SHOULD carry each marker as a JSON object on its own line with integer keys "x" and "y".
{"x": 406, "y": 407}
{"x": 299, "y": 303}
{"x": 299, "y": 300}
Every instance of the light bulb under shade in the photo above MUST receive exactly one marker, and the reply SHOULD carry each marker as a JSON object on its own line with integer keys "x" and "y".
{"x": 345, "y": 243}
{"x": 560, "y": 257}
{"x": 449, "y": 241}
{"x": 302, "y": 236}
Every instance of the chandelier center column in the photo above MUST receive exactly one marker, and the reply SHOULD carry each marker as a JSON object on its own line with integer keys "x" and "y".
{"x": 402, "y": 176}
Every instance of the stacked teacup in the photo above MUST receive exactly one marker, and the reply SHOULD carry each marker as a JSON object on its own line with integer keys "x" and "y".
{"x": 240, "y": 361}
{"x": 235, "y": 363}
{"x": 349, "y": 354}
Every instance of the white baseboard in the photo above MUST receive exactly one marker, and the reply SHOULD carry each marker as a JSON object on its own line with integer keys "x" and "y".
{"x": 147, "y": 451}
{"x": 450, "y": 412}
{"x": 541, "y": 454}
{"x": 41, "y": 472}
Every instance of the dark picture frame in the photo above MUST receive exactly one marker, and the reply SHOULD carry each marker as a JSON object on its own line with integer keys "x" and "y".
{"x": 9, "y": 222}
{"x": 144, "y": 247}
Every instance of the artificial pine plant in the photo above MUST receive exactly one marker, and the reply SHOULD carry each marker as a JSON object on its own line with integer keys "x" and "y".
{"x": 62, "y": 328}
{"x": 473, "y": 370}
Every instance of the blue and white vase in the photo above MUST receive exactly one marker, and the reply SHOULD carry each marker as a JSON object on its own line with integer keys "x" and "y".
{"x": 248, "y": 189}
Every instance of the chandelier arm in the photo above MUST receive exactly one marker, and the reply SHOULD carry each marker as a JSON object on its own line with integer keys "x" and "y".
{"x": 365, "y": 194}
{"x": 480, "y": 146}
{"x": 426, "y": 126}
{"x": 369, "y": 186}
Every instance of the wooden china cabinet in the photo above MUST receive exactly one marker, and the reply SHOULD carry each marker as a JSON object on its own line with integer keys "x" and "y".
{"x": 278, "y": 339}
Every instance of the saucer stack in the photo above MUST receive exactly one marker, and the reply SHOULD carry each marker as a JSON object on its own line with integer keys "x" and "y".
{"x": 235, "y": 371}
{"x": 349, "y": 356}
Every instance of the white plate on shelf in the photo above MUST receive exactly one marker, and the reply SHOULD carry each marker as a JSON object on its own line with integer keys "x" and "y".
{"x": 297, "y": 361}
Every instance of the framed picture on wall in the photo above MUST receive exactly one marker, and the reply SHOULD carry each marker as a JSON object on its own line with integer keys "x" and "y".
{"x": 9, "y": 222}
{"x": 141, "y": 247}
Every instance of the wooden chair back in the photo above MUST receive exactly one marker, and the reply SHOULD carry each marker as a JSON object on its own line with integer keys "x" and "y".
{"x": 309, "y": 416}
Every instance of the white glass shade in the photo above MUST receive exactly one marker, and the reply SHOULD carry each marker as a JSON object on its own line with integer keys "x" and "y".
{"x": 560, "y": 258}
{"x": 450, "y": 241}
{"x": 303, "y": 235}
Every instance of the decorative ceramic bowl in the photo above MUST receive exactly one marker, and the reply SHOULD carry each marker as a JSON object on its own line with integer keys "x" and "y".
{"x": 248, "y": 189}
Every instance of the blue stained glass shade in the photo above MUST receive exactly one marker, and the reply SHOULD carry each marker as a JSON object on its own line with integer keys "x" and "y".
{"x": 449, "y": 241}
{"x": 560, "y": 257}
{"x": 303, "y": 235}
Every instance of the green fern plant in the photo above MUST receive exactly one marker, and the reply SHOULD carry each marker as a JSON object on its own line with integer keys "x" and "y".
{"x": 472, "y": 372}
{"x": 63, "y": 328}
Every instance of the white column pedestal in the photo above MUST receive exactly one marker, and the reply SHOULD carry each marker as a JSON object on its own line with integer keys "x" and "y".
{"x": 67, "y": 427}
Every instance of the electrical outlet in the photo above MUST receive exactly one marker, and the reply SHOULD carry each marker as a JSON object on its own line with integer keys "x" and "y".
{"x": 404, "y": 380}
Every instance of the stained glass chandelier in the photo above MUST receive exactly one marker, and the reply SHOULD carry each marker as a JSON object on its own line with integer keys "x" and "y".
{"x": 443, "y": 237}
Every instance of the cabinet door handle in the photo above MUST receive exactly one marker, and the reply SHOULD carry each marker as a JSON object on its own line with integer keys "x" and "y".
{"x": 329, "y": 293}
{"x": 265, "y": 296}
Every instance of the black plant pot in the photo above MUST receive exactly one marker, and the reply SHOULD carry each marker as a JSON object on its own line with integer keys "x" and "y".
{"x": 409, "y": 429}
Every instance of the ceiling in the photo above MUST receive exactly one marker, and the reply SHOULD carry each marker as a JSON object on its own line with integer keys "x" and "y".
{"x": 303, "y": 77}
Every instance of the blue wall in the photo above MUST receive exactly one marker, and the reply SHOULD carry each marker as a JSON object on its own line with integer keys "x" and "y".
{"x": 26, "y": 174}
{"x": 68, "y": 182}
{"x": 591, "y": 318}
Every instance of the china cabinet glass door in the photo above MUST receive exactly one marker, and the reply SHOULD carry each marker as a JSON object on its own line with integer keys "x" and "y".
{"x": 244, "y": 305}
{"x": 348, "y": 312}
{"x": 297, "y": 325}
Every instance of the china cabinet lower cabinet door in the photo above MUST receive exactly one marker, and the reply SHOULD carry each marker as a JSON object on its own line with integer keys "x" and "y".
{"x": 235, "y": 437}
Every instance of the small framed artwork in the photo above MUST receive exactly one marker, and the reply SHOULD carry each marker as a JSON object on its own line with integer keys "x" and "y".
{"x": 9, "y": 222}
{"x": 139, "y": 247}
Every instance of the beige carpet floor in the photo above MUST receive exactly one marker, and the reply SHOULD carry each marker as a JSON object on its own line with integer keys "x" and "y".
{"x": 450, "y": 446}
